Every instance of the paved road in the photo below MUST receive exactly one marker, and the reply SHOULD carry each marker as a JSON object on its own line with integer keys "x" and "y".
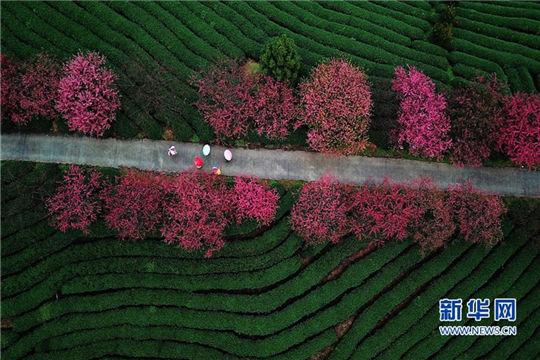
{"x": 271, "y": 164}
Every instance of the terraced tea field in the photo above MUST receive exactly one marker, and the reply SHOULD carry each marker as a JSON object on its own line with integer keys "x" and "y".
{"x": 264, "y": 296}
{"x": 501, "y": 37}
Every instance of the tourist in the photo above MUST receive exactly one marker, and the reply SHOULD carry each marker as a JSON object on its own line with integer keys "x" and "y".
{"x": 172, "y": 151}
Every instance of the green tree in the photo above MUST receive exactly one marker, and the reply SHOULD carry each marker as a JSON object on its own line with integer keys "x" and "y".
{"x": 280, "y": 59}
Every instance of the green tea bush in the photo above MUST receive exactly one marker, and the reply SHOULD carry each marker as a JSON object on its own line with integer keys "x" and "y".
{"x": 310, "y": 14}
{"x": 438, "y": 275}
{"x": 421, "y": 330}
{"x": 514, "y": 79}
{"x": 54, "y": 14}
{"x": 417, "y": 319}
{"x": 359, "y": 23}
{"x": 520, "y": 236}
{"x": 203, "y": 30}
{"x": 418, "y": 271}
{"x": 526, "y": 80}
{"x": 267, "y": 324}
{"x": 498, "y": 14}
{"x": 499, "y": 31}
{"x": 222, "y": 25}
{"x": 23, "y": 239}
{"x": 429, "y": 48}
{"x": 494, "y": 287}
{"x": 410, "y": 26}
{"x": 505, "y": 53}
{"x": 481, "y": 65}
{"x": 416, "y": 9}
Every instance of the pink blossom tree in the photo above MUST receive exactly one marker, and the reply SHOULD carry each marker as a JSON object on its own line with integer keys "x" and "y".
{"x": 477, "y": 214}
{"x": 224, "y": 99}
{"x": 234, "y": 101}
{"x": 133, "y": 204}
{"x": 431, "y": 216}
{"x": 75, "y": 205}
{"x": 254, "y": 199}
{"x": 10, "y": 88}
{"x": 197, "y": 210}
{"x": 434, "y": 226}
{"x": 336, "y": 103}
{"x": 383, "y": 212}
{"x": 423, "y": 123}
{"x": 274, "y": 107}
{"x": 519, "y": 134}
{"x": 88, "y": 98}
{"x": 474, "y": 112}
{"x": 38, "y": 89}
{"x": 321, "y": 211}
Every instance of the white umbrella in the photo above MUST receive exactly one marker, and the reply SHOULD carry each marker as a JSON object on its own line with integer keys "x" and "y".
{"x": 228, "y": 155}
{"x": 206, "y": 150}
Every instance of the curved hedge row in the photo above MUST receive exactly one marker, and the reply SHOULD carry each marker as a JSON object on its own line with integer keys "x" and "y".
{"x": 265, "y": 295}
{"x": 521, "y": 11}
{"x": 498, "y": 37}
{"x": 456, "y": 284}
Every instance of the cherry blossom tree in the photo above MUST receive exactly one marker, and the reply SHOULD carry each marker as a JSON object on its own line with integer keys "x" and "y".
{"x": 133, "y": 204}
{"x": 519, "y": 134}
{"x": 423, "y": 123}
{"x": 337, "y": 104}
{"x": 274, "y": 107}
{"x": 235, "y": 100}
{"x": 88, "y": 98}
{"x": 383, "y": 212}
{"x": 429, "y": 215}
{"x": 224, "y": 99}
{"x": 434, "y": 226}
{"x": 10, "y": 88}
{"x": 254, "y": 199}
{"x": 475, "y": 112}
{"x": 477, "y": 214}
{"x": 75, "y": 205}
{"x": 38, "y": 89}
{"x": 197, "y": 209}
{"x": 321, "y": 211}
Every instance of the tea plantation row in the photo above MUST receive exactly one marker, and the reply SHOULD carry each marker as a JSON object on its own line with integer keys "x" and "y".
{"x": 499, "y": 37}
{"x": 265, "y": 295}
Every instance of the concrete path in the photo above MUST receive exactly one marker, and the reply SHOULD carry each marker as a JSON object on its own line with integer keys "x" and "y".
{"x": 270, "y": 164}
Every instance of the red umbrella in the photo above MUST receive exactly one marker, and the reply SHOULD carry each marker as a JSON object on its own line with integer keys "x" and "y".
{"x": 198, "y": 162}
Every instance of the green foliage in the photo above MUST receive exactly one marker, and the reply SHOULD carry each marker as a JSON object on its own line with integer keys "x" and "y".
{"x": 448, "y": 13}
{"x": 295, "y": 314}
{"x": 280, "y": 59}
{"x": 418, "y": 321}
{"x": 443, "y": 29}
{"x": 183, "y": 36}
{"x": 507, "y": 284}
{"x": 442, "y": 32}
{"x": 253, "y": 299}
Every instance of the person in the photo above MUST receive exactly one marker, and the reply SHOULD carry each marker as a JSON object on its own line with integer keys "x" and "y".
{"x": 198, "y": 162}
{"x": 228, "y": 155}
{"x": 172, "y": 151}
